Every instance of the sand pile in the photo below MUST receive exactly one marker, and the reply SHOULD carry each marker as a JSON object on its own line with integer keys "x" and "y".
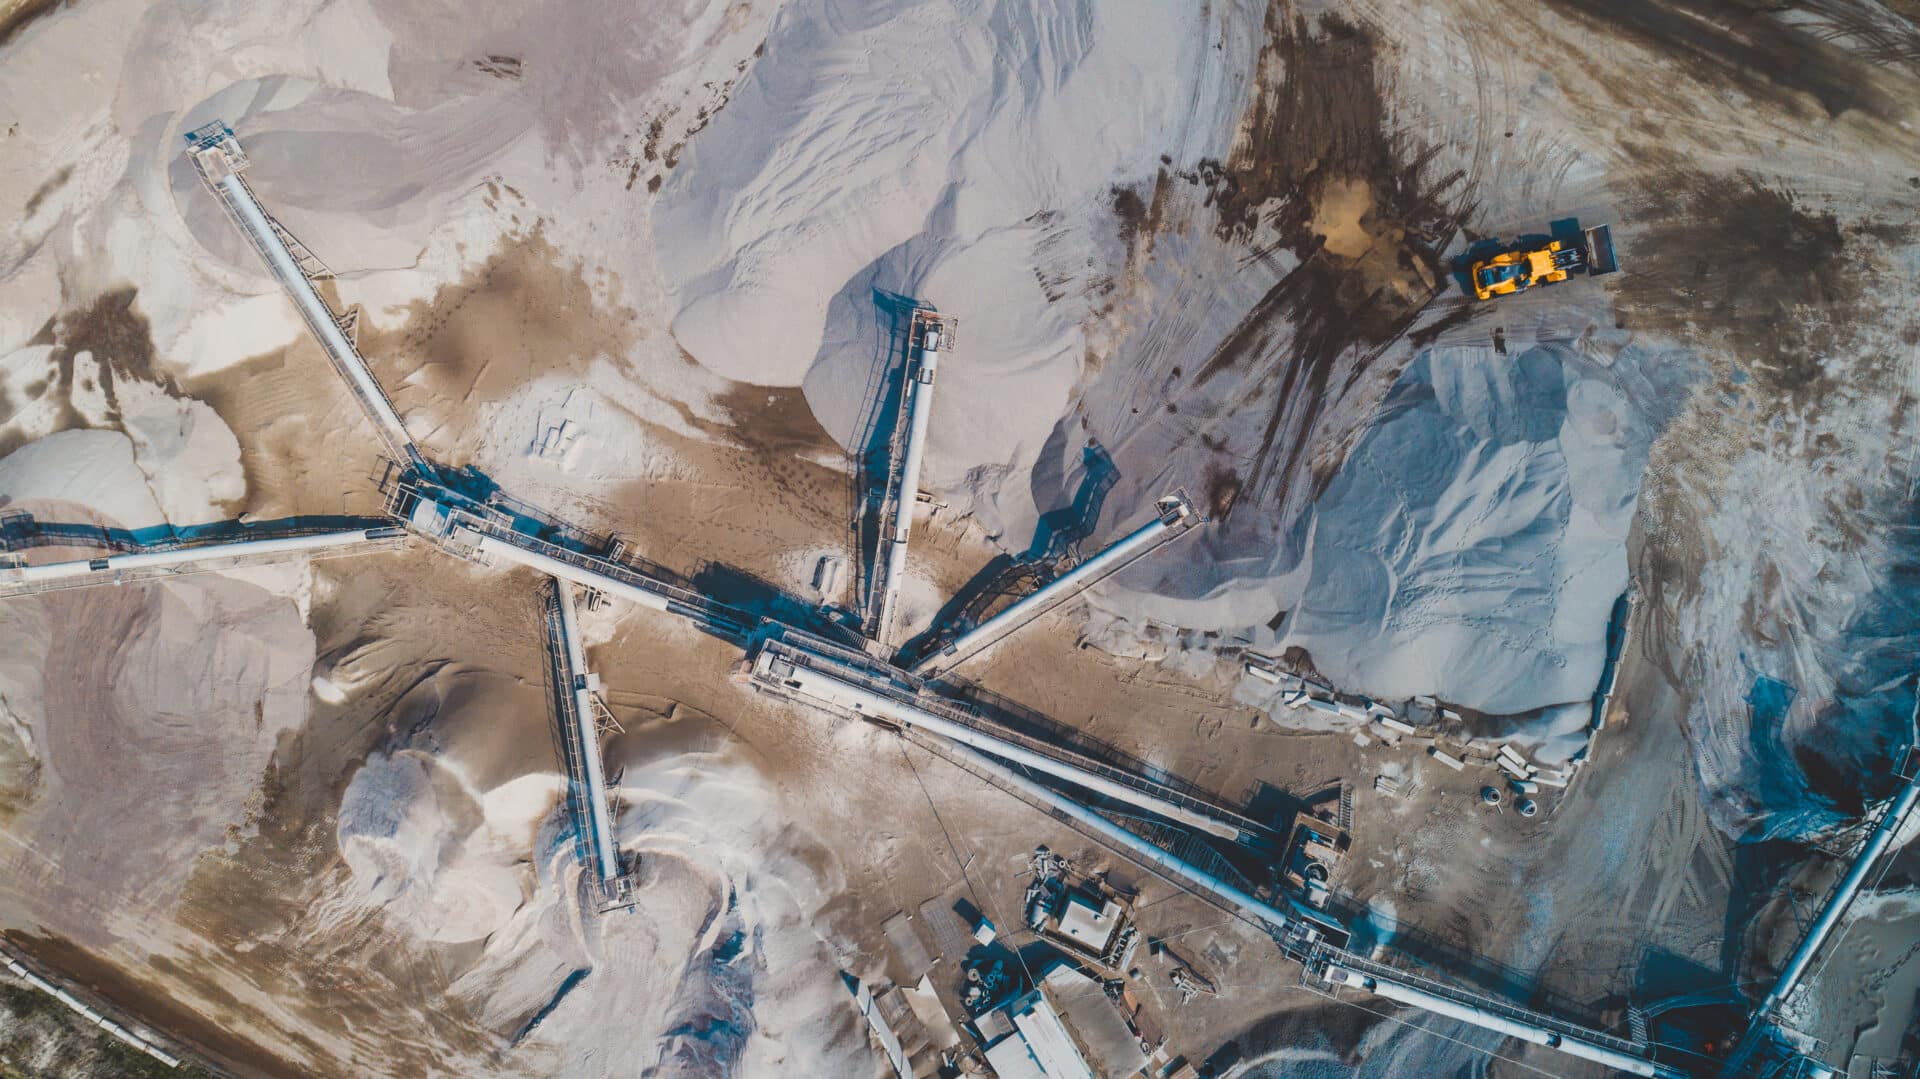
{"x": 1475, "y": 540}
{"x": 1101, "y": 283}
{"x": 1462, "y": 549}
{"x": 717, "y": 971}
{"x": 188, "y": 686}
{"x": 854, "y": 157}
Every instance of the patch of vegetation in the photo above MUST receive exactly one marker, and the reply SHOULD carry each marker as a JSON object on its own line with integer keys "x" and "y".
{"x": 23, "y": 1003}
{"x": 119, "y": 1059}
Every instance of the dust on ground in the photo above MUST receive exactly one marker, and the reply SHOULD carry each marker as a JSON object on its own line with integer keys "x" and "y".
{"x": 524, "y": 313}
{"x": 305, "y": 445}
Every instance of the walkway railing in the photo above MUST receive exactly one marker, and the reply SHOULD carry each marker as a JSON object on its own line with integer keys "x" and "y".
{"x": 1176, "y": 518}
{"x": 1325, "y": 954}
{"x": 566, "y": 715}
{"x": 221, "y": 173}
{"x": 891, "y": 683}
{"x": 716, "y": 617}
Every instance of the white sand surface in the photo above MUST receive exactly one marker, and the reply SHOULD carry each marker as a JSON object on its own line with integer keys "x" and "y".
{"x": 1475, "y": 541}
{"x": 394, "y": 836}
{"x": 717, "y": 970}
{"x": 94, "y": 469}
{"x": 854, "y": 157}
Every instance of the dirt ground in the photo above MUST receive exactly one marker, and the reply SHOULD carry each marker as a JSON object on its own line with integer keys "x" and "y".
{"x": 196, "y": 829}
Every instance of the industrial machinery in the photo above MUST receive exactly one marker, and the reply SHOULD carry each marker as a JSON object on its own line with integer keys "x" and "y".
{"x": 1770, "y": 1046}
{"x": 1174, "y": 516}
{"x": 1073, "y": 787}
{"x": 928, "y": 334}
{"x": 1516, "y": 271}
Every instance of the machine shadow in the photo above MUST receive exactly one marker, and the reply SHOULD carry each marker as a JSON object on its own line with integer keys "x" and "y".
{"x": 1056, "y": 536}
{"x": 874, "y": 435}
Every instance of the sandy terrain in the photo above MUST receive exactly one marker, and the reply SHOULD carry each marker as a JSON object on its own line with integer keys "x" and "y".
{"x": 632, "y": 266}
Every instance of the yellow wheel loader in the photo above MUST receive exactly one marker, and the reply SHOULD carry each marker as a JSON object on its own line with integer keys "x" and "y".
{"x": 1517, "y": 271}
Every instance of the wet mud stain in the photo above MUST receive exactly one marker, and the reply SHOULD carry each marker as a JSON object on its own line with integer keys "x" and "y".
{"x": 774, "y": 421}
{"x": 20, "y": 773}
{"x": 14, "y": 19}
{"x": 1223, "y": 488}
{"x": 1129, "y": 214}
{"x": 1743, "y": 265}
{"x": 1780, "y": 53}
{"x": 119, "y": 337}
{"x": 1318, "y": 166}
{"x": 54, "y": 183}
{"x": 1139, "y": 219}
{"x": 500, "y": 67}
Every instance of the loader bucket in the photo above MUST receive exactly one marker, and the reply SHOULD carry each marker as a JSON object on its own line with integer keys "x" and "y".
{"x": 1600, "y": 257}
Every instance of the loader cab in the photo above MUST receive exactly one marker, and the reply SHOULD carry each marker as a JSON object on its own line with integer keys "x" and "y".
{"x": 1499, "y": 277}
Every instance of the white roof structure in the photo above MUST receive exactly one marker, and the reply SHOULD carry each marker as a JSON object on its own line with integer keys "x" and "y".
{"x": 1011, "y": 1060}
{"x": 1083, "y": 1008}
{"x": 1039, "y": 1047}
{"x": 1047, "y": 1039}
{"x": 994, "y": 1025}
{"x": 1087, "y": 925}
{"x": 896, "y": 1054}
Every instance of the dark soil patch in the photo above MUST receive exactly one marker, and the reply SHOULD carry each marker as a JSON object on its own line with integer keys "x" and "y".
{"x": 1742, "y": 263}
{"x": 1318, "y": 154}
{"x": 53, "y": 184}
{"x": 26, "y": 15}
{"x": 120, "y": 340}
{"x": 1741, "y": 43}
{"x": 119, "y": 337}
{"x": 1130, "y": 212}
{"x": 1223, "y": 488}
{"x": 774, "y": 420}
